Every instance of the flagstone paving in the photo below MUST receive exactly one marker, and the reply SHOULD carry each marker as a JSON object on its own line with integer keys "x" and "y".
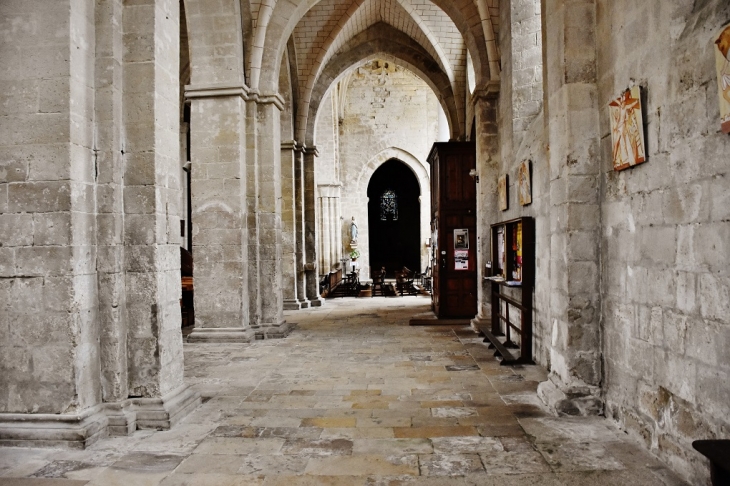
{"x": 354, "y": 396}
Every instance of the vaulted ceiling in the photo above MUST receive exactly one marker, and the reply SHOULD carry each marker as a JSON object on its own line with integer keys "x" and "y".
{"x": 321, "y": 40}
{"x": 333, "y": 36}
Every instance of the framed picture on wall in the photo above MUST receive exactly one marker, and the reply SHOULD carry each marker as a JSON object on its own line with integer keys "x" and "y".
{"x": 502, "y": 192}
{"x": 722, "y": 61}
{"x": 461, "y": 239}
{"x": 524, "y": 187}
{"x": 627, "y": 130}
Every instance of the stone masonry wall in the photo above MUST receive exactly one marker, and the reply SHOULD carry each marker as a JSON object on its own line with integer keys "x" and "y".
{"x": 49, "y": 360}
{"x": 387, "y": 107}
{"x": 521, "y": 133}
{"x": 666, "y": 236}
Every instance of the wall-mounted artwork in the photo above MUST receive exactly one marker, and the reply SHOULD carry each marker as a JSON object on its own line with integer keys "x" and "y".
{"x": 627, "y": 130}
{"x": 502, "y": 192}
{"x": 461, "y": 239}
{"x": 722, "y": 60}
{"x": 524, "y": 188}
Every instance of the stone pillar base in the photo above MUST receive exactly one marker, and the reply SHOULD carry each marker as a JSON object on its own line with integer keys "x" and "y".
{"x": 479, "y": 321}
{"x": 277, "y": 331}
{"x": 73, "y": 431}
{"x": 122, "y": 421}
{"x": 221, "y": 335}
{"x": 304, "y": 304}
{"x": 78, "y": 431}
{"x": 292, "y": 304}
{"x": 163, "y": 413}
{"x": 582, "y": 400}
{"x": 316, "y": 302}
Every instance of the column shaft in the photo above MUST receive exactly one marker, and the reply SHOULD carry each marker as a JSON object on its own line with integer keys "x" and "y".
{"x": 324, "y": 233}
{"x": 301, "y": 276}
{"x": 289, "y": 226}
{"x": 310, "y": 228}
{"x": 487, "y": 148}
{"x": 574, "y": 138}
{"x": 220, "y": 246}
{"x": 271, "y": 319}
{"x": 334, "y": 228}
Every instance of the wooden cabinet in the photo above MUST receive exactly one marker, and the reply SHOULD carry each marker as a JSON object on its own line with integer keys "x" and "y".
{"x": 512, "y": 278}
{"x": 453, "y": 223}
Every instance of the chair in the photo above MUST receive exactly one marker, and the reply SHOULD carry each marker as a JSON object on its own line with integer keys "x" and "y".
{"x": 379, "y": 282}
{"x": 426, "y": 279}
{"x": 404, "y": 282}
{"x": 353, "y": 283}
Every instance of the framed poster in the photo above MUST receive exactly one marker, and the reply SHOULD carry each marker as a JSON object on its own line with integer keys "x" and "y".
{"x": 502, "y": 192}
{"x": 461, "y": 239}
{"x": 627, "y": 130}
{"x": 461, "y": 259}
{"x": 524, "y": 188}
{"x": 500, "y": 260}
{"x": 722, "y": 61}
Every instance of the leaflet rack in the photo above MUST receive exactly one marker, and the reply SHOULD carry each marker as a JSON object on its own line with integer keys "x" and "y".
{"x": 512, "y": 277}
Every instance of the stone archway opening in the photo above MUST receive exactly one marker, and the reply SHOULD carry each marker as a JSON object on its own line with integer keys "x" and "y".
{"x": 394, "y": 210}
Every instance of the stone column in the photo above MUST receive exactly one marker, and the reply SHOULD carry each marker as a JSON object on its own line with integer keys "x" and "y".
{"x": 324, "y": 231}
{"x": 152, "y": 211}
{"x": 110, "y": 207}
{"x": 49, "y": 334}
{"x": 299, "y": 231}
{"x": 329, "y": 227}
{"x": 334, "y": 230}
{"x": 573, "y": 386}
{"x": 252, "y": 205}
{"x": 289, "y": 158}
{"x": 270, "y": 323}
{"x": 338, "y": 230}
{"x": 487, "y": 156}
{"x": 310, "y": 228}
{"x": 218, "y": 190}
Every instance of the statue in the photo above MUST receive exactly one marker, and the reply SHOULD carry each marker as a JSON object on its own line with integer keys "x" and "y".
{"x": 353, "y": 231}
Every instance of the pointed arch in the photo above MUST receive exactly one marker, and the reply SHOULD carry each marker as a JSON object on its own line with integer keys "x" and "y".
{"x": 382, "y": 41}
{"x": 276, "y": 25}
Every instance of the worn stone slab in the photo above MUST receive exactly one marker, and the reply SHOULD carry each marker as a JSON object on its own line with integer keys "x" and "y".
{"x": 450, "y": 464}
{"x": 361, "y": 465}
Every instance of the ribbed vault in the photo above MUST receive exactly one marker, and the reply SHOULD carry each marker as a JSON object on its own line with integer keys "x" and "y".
{"x": 384, "y": 42}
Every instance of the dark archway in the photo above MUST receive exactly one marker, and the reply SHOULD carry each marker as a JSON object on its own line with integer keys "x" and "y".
{"x": 394, "y": 214}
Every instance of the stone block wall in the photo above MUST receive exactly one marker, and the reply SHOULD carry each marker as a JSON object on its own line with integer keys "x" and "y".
{"x": 521, "y": 123}
{"x": 50, "y": 354}
{"x": 89, "y": 220}
{"x": 665, "y": 232}
{"x": 389, "y": 110}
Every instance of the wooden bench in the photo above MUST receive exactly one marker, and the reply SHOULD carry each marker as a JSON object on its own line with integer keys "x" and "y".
{"x": 501, "y": 351}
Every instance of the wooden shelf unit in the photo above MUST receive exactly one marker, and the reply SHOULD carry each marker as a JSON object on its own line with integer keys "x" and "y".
{"x": 513, "y": 259}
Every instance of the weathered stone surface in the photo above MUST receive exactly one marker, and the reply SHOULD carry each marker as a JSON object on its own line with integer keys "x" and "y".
{"x": 632, "y": 287}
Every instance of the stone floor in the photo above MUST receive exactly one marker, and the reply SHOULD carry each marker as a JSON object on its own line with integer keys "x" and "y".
{"x": 354, "y": 396}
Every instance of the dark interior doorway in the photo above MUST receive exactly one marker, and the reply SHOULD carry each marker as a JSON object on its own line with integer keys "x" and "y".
{"x": 394, "y": 218}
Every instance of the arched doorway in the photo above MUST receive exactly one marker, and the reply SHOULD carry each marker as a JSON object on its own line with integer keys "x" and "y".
{"x": 394, "y": 218}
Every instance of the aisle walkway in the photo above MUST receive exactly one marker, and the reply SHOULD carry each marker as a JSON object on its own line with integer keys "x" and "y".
{"x": 355, "y": 397}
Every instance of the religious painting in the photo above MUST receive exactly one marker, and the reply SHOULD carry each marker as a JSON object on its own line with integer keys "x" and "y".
{"x": 502, "y": 192}
{"x": 627, "y": 130}
{"x": 461, "y": 239}
{"x": 524, "y": 188}
{"x": 722, "y": 60}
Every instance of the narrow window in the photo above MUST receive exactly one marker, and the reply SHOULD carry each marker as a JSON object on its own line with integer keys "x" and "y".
{"x": 389, "y": 206}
